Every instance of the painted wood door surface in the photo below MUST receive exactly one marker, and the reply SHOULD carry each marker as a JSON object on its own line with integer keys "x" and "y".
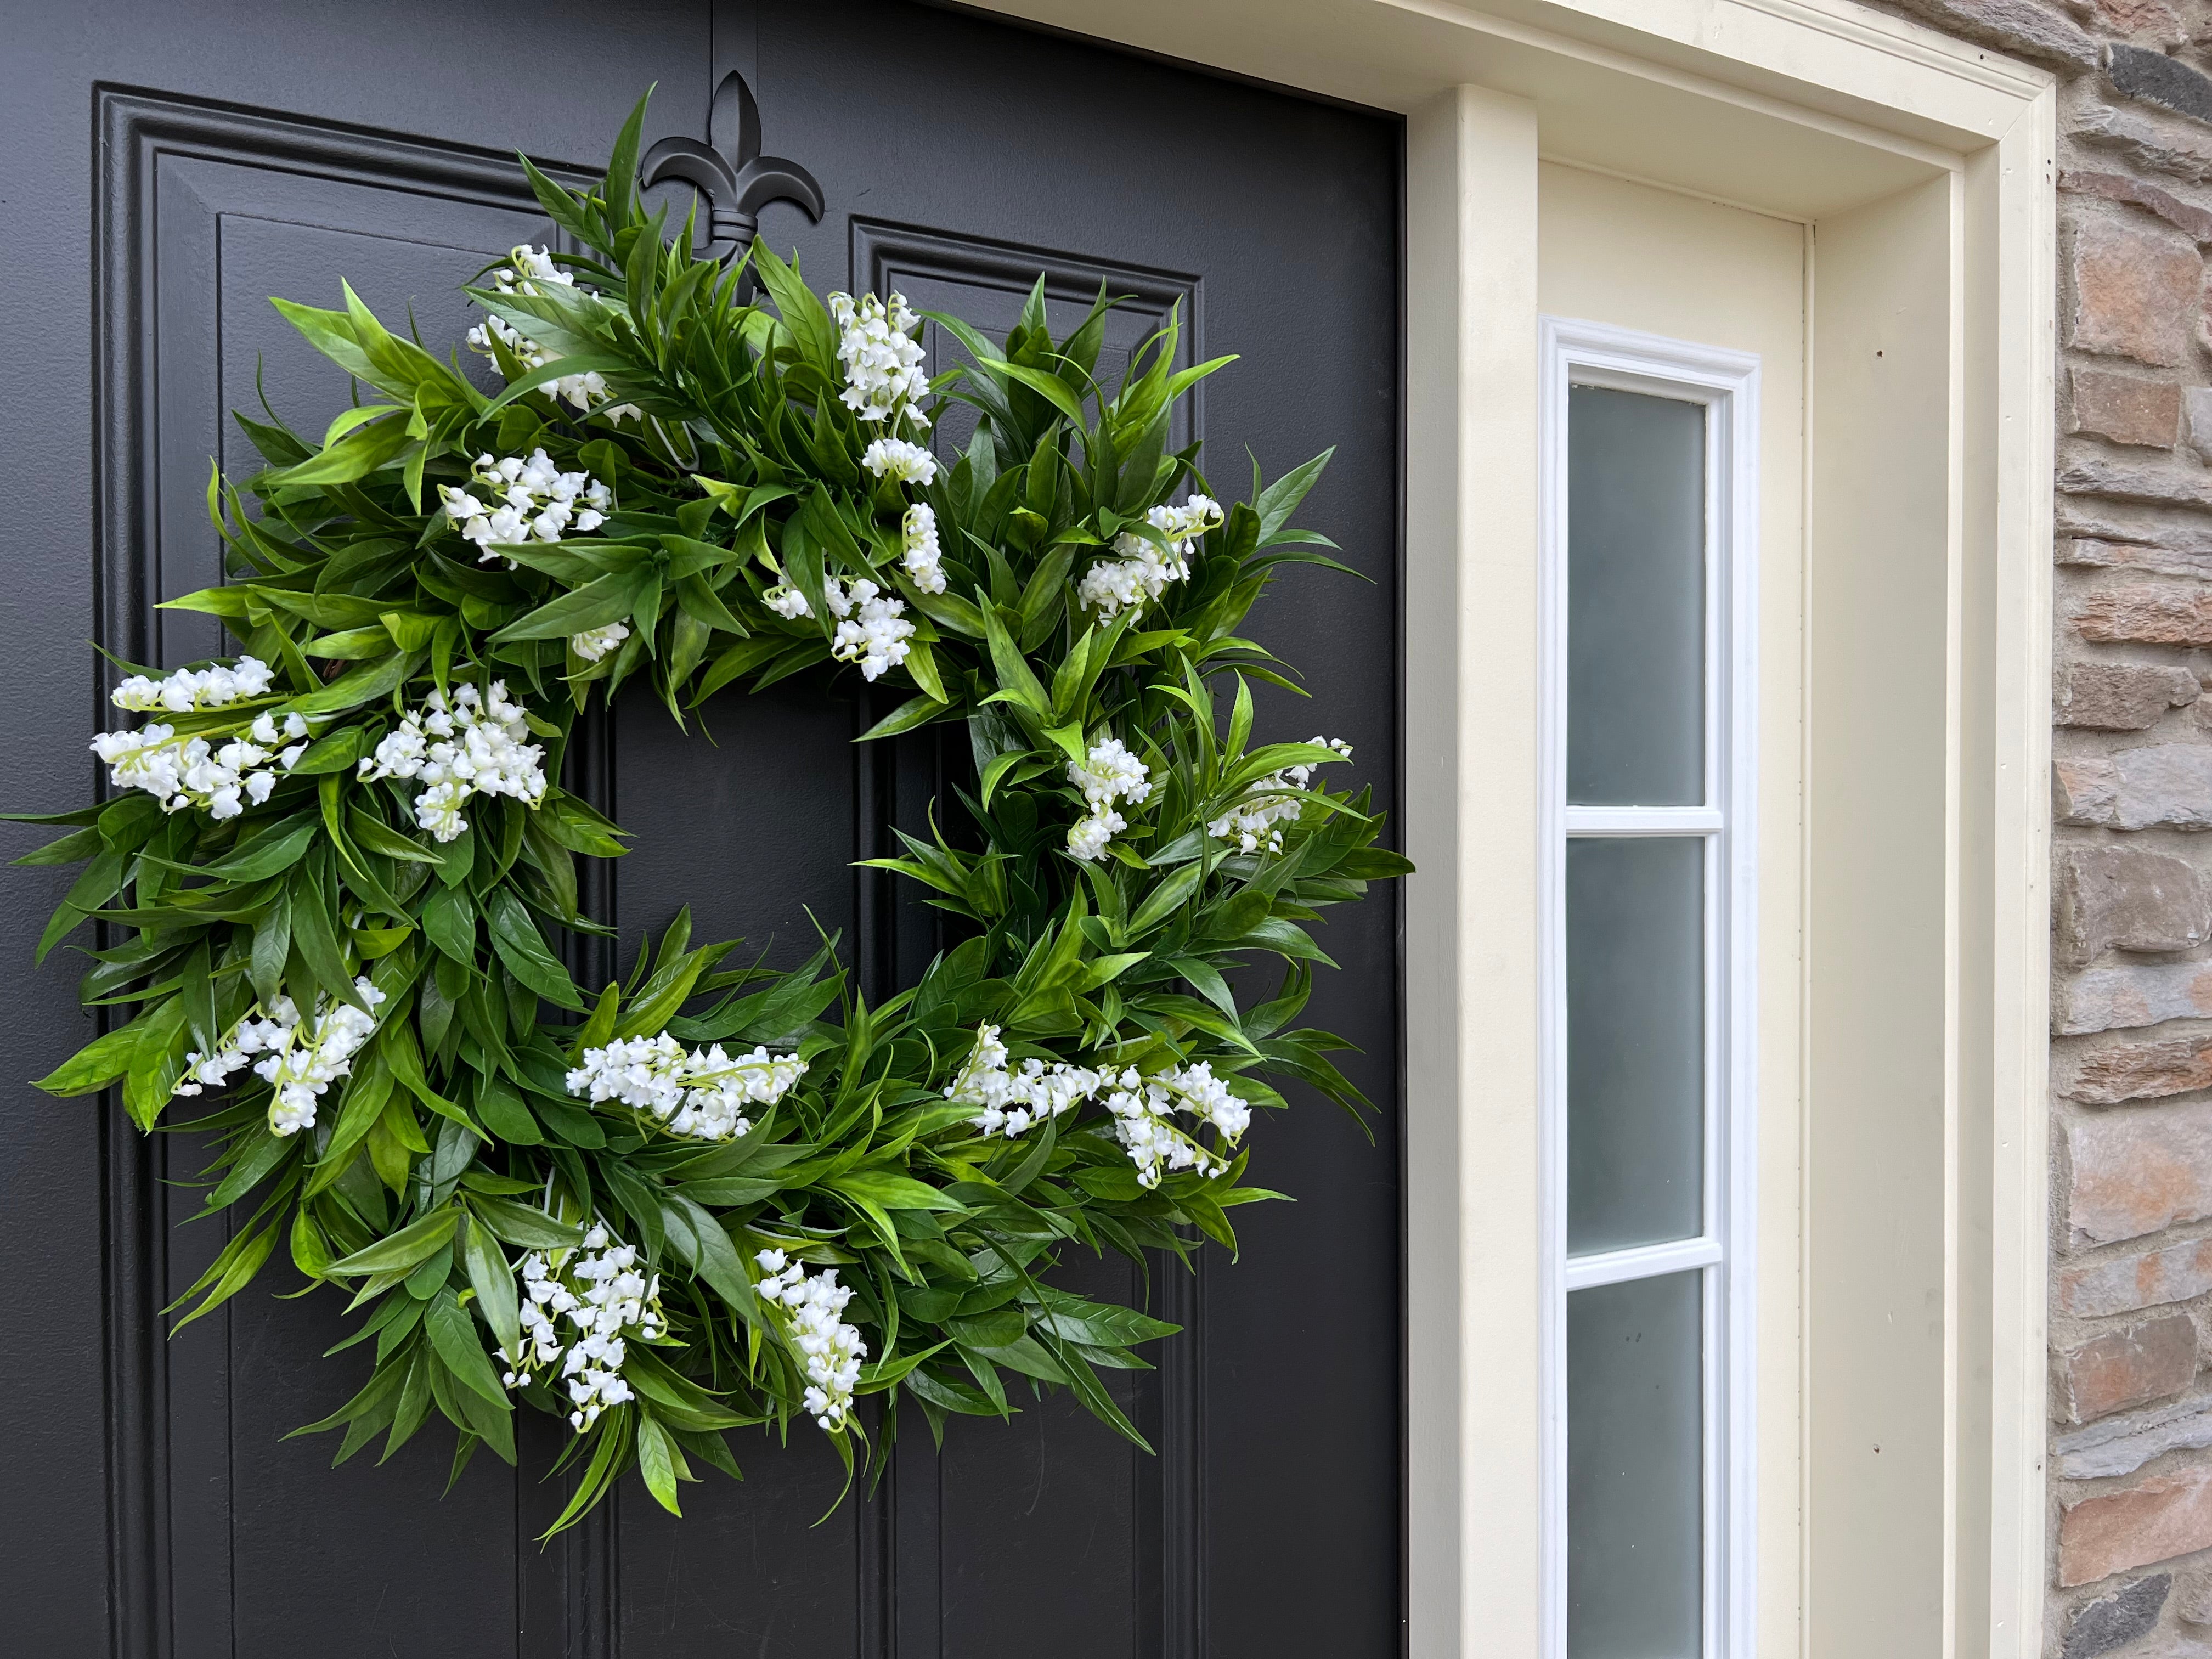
{"x": 164, "y": 169}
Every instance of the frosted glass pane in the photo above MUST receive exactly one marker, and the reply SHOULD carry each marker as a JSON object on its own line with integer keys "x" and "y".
{"x": 1635, "y": 1506}
{"x": 1635, "y": 1041}
{"x": 1635, "y": 599}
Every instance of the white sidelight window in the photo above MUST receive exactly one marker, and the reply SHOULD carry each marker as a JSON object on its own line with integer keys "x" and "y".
{"x": 1650, "y": 512}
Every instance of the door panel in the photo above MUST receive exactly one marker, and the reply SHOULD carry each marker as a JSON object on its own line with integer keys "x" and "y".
{"x": 174, "y": 1517}
{"x": 959, "y": 158}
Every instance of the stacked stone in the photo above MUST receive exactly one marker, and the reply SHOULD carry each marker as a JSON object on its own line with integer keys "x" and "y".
{"x": 2131, "y": 1276}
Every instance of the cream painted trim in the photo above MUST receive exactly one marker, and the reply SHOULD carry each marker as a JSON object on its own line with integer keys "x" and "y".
{"x": 1696, "y": 84}
{"x": 1471, "y": 1020}
{"x": 1804, "y": 108}
{"x": 2011, "y": 293}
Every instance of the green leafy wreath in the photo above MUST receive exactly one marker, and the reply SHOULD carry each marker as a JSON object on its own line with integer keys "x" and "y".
{"x": 336, "y": 867}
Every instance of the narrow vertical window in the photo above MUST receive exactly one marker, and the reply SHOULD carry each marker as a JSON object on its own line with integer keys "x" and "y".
{"x": 1648, "y": 1109}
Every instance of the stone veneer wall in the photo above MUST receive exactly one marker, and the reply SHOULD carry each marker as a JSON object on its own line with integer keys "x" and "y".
{"x": 2131, "y": 1462}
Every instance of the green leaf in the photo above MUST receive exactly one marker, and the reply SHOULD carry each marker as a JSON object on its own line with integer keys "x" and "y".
{"x": 1051, "y": 387}
{"x": 330, "y": 332}
{"x": 1207, "y": 980}
{"x": 377, "y": 836}
{"x": 609, "y": 598}
{"x": 272, "y": 944}
{"x": 913, "y": 713}
{"x": 1099, "y": 1324}
{"x": 454, "y": 1334}
{"x": 1092, "y": 1393}
{"x": 1163, "y": 900}
{"x": 718, "y": 1263}
{"x": 494, "y": 1283}
{"x": 892, "y": 1191}
{"x": 265, "y": 856}
{"x": 657, "y": 1460}
{"x": 1014, "y": 674}
{"x": 335, "y": 751}
{"x": 96, "y": 1065}
{"x": 502, "y": 1112}
{"x": 356, "y": 686}
{"x": 70, "y": 849}
{"x": 449, "y": 920}
{"x": 806, "y": 317}
{"x": 407, "y": 1248}
{"x": 516, "y": 937}
{"x": 521, "y": 1224}
{"x": 1280, "y": 498}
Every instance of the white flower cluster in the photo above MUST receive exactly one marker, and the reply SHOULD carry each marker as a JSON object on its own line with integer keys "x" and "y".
{"x": 1142, "y": 572}
{"x": 531, "y": 267}
{"x": 703, "y": 1094}
{"x": 606, "y": 1298}
{"x": 871, "y": 629}
{"x": 471, "y": 745}
{"x": 877, "y": 637}
{"x": 832, "y": 1348}
{"x": 191, "y": 688}
{"x": 1013, "y": 1101}
{"x": 1141, "y": 1106}
{"x": 531, "y": 500}
{"x": 1111, "y": 773}
{"x": 1010, "y": 1101}
{"x": 224, "y": 776}
{"x": 1251, "y": 824}
{"x": 923, "y": 557}
{"x": 883, "y": 374}
{"x": 908, "y": 463}
{"x": 594, "y": 643}
{"x": 298, "y": 1063}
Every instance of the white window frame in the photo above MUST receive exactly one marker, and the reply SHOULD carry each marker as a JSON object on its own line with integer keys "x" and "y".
{"x": 1726, "y": 383}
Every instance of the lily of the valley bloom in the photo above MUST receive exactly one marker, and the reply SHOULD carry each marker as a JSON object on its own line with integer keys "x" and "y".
{"x": 702, "y": 1093}
{"x": 532, "y": 271}
{"x": 1010, "y": 1101}
{"x": 470, "y": 745}
{"x": 1253, "y": 821}
{"x": 523, "y": 499}
{"x": 299, "y": 1059}
{"x": 221, "y": 776}
{"x": 189, "y": 689}
{"x": 1142, "y": 1107}
{"x": 1110, "y": 774}
{"x": 922, "y": 557}
{"x": 1142, "y": 572}
{"x": 876, "y": 638}
{"x": 885, "y": 377}
{"x": 895, "y": 457}
{"x": 594, "y": 643}
{"x": 871, "y": 629}
{"x": 606, "y": 1298}
{"x": 830, "y": 1350}
{"x": 788, "y": 602}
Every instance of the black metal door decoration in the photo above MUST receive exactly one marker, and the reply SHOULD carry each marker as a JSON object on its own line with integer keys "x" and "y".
{"x": 1135, "y": 1554}
{"x": 729, "y": 170}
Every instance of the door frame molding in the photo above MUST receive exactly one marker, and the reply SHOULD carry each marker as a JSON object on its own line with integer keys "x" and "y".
{"x": 1923, "y": 165}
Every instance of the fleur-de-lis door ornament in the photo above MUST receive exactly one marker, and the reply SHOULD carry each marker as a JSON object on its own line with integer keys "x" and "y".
{"x": 731, "y": 173}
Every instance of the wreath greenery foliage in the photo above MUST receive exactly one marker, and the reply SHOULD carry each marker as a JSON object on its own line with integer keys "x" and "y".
{"x": 335, "y": 874}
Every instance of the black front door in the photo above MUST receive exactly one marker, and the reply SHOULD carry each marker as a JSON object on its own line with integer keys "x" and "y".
{"x": 165, "y": 169}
